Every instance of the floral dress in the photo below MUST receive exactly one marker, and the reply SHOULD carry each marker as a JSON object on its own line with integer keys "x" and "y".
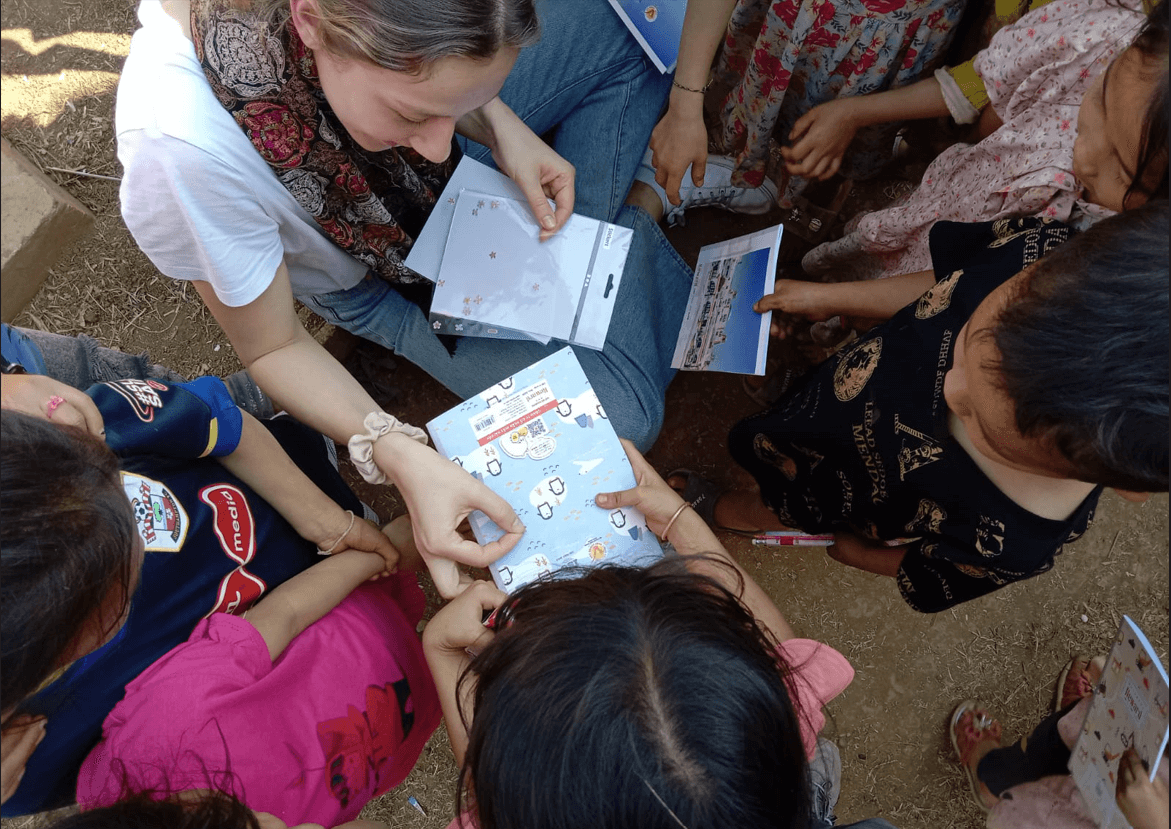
{"x": 781, "y": 58}
{"x": 1036, "y": 73}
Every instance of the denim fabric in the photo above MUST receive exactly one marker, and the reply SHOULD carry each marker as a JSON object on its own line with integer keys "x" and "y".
{"x": 825, "y": 783}
{"x": 630, "y": 375}
{"x": 82, "y": 361}
{"x": 589, "y": 79}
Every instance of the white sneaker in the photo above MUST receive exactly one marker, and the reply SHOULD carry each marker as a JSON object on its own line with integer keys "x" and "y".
{"x": 717, "y": 190}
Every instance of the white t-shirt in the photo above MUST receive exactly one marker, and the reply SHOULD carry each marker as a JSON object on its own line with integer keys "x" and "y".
{"x": 196, "y": 195}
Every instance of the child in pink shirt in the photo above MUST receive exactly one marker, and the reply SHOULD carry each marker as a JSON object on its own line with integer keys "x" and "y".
{"x": 672, "y": 696}
{"x": 315, "y": 701}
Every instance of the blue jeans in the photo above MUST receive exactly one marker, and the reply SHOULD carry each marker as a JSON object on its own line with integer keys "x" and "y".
{"x": 589, "y": 79}
{"x": 630, "y": 375}
{"x": 825, "y": 782}
{"x": 82, "y": 361}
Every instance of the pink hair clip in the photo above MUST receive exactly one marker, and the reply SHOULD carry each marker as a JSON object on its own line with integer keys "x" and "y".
{"x": 54, "y": 401}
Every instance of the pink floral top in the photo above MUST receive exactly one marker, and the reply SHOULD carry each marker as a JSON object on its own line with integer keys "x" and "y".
{"x": 1036, "y": 72}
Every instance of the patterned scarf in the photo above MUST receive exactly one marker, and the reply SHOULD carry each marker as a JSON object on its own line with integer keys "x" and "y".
{"x": 371, "y": 204}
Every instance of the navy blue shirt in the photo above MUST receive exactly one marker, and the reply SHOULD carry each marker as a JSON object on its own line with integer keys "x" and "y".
{"x": 212, "y": 545}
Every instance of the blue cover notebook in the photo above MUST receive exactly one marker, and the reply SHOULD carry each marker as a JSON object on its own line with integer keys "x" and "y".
{"x": 657, "y": 25}
{"x": 541, "y": 440}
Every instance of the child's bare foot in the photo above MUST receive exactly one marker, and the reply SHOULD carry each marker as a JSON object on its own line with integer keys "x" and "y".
{"x": 737, "y": 510}
{"x": 1077, "y": 680}
{"x": 974, "y": 733}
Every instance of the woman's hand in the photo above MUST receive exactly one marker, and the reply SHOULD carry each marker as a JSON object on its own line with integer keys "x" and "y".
{"x": 537, "y": 169}
{"x": 19, "y": 740}
{"x": 820, "y": 139}
{"x": 439, "y": 496}
{"x": 48, "y": 399}
{"x": 459, "y": 625}
{"x": 679, "y": 140}
{"x": 1142, "y": 801}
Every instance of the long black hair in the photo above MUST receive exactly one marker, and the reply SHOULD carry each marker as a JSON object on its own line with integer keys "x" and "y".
{"x": 632, "y": 697}
{"x": 67, "y": 545}
{"x": 206, "y": 810}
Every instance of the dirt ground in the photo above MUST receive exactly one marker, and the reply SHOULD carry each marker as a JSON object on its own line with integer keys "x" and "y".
{"x": 60, "y": 60}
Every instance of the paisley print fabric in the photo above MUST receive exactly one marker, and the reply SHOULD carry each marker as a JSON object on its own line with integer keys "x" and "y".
{"x": 371, "y": 204}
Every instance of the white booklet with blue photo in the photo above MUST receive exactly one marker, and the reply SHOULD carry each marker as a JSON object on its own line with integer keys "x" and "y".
{"x": 720, "y": 330}
{"x": 496, "y": 271}
{"x": 541, "y": 440}
{"x": 657, "y": 25}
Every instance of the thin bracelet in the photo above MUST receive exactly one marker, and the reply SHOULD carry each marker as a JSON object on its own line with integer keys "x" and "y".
{"x": 670, "y": 523}
{"x": 678, "y": 85}
{"x": 333, "y": 546}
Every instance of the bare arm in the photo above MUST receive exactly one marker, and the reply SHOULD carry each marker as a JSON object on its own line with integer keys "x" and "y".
{"x": 821, "y": 136}
{"x": 260, "y": 462}
{"x": 691, "y": 536}
{"x": 680, "y": 138}
{"x": 877, "y": 299}
{"x": 447, "y": 640}
{"x": 293, "y": 368}
{"x": 305, "y": 598}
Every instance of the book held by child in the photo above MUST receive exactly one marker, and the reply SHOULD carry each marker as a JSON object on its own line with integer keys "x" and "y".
{"x": 720, "y": 330}
{"x": 542, "y": 441}
{"x": 1129, "y": 709}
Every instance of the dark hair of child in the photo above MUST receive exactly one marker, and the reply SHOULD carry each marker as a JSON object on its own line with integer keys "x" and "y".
{"x": 210, "y": 810}
{"x": 1084, "y": 354}
{"x": 1150, "y": 176}
{"x": 632, "y": 697}
{"x": 67, "y": 538}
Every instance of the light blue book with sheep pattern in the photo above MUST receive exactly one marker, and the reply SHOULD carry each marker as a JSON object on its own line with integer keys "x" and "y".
{"x": 542, "y": 441}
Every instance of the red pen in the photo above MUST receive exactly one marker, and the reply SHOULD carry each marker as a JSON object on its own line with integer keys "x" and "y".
{"x": 787, "y": 538}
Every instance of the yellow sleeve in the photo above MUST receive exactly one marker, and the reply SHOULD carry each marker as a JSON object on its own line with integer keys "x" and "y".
{"x": 969, "y": 83}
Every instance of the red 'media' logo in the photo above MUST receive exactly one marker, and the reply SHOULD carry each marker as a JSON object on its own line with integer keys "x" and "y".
{"x": 236, "y": 530}
{"x": 238, "y": 591}
{"x": 233, "y": 521}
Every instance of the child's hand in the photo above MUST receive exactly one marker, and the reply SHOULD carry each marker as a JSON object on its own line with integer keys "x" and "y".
{"x": 810, "y": 300}
{"x": 653, "y": 496}
{"x": 19, "y": 740}
{"x": 679, "y": 140}
{"x": 1142, "y": 801}
{"x": 366, "y": 538}
{"x": 820, "y": 139}
{"x": 51, "y": 399}
{"x": 459, "y": 625}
